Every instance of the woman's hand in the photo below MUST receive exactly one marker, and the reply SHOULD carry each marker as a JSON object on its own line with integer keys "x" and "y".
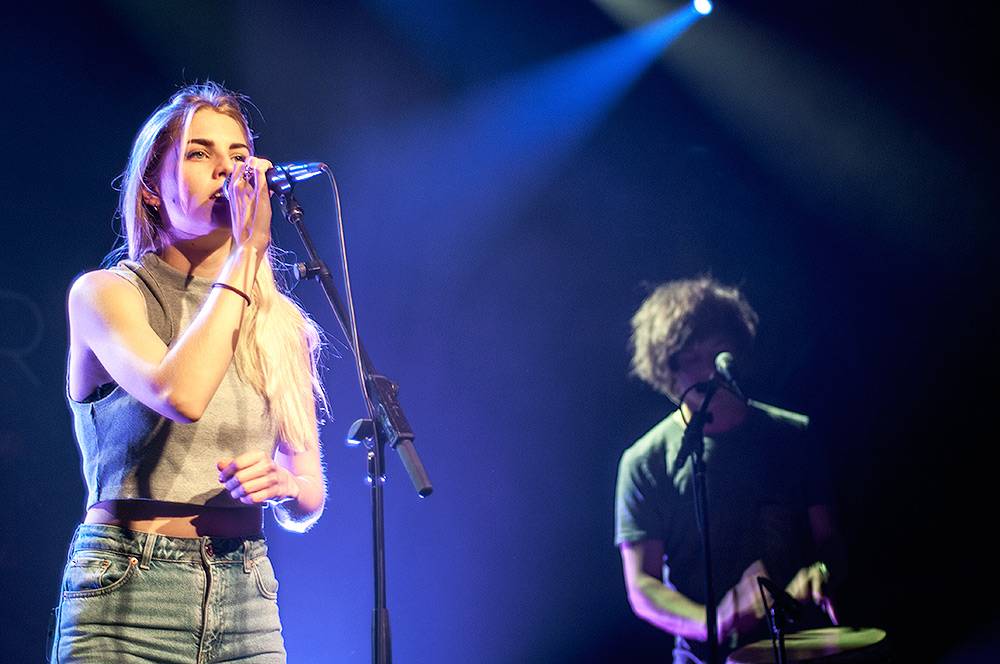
{"x": 254, "y": 478}
{"x": 250, "y": 204}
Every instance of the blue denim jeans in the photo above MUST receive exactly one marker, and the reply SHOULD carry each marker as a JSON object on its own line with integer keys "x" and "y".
{"x": 131, "y": 596}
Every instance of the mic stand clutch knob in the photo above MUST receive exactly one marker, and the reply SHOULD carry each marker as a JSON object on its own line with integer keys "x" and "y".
{"x": 302, "y": 272}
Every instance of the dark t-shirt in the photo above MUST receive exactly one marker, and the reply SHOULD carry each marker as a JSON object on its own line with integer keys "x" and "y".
{"x": 761, "y": 479}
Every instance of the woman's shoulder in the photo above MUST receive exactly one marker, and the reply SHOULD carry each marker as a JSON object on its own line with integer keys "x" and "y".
{"x": 118, "y": 297}
{"x": 97, "y": 289}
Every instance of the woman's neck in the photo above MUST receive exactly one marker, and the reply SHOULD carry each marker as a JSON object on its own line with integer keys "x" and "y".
{"x": 202, "y": 256}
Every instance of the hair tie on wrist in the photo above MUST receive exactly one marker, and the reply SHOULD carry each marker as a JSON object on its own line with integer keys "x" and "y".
{"x": 219, "y": 284}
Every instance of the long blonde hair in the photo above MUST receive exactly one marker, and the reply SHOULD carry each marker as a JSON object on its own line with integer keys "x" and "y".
{"x": 279, "y": 345}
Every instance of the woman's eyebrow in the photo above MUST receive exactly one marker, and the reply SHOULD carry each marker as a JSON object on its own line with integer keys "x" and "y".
{"x": 211, "y": 144}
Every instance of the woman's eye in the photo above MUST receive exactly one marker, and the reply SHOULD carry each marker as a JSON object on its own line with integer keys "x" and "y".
{"x": 240, "y": 157}
{"x": 196, "y": 154}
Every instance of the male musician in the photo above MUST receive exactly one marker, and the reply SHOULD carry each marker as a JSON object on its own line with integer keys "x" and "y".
{"x": 767, "y": 498}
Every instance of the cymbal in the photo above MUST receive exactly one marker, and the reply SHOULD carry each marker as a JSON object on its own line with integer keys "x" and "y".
{"x": 828, "y": 644}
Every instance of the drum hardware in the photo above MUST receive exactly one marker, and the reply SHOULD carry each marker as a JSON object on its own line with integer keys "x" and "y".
{"x": 782, "y": 612}
{"x": 829, "y": 645}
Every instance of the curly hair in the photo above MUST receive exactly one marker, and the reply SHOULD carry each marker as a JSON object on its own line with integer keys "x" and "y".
{"x": 679, "y": 313}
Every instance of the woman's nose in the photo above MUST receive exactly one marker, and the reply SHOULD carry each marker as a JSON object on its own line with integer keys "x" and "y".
{"x": 225, "y": 168}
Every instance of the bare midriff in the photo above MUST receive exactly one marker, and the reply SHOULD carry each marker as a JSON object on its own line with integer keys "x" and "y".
{"x": 177, "y": 519}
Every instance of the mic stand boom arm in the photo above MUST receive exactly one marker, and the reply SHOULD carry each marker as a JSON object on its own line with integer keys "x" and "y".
{"x": 388, "y": 424}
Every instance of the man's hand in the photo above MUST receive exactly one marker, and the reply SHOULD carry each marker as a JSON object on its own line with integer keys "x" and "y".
{"x": 742, "y": 608}
{"x": 809, "y": 584}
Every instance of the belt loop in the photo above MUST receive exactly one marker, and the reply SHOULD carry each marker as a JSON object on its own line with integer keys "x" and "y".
{"x": 147, "y": 550}
{"x": 247, "y": 562}
{"x": 72, "y": 544}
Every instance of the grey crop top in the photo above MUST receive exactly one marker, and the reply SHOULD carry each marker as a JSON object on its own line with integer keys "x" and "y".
{"x": 130, "y": 451}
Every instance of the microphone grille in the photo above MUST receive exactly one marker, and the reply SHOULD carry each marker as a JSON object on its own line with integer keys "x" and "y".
{"x": 724, "y": 362}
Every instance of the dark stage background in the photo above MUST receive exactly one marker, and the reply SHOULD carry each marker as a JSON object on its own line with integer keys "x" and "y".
{"x": 834, "y": 158}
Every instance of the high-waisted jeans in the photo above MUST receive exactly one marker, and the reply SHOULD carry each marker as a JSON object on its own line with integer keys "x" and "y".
{"x": 131, "y": 596}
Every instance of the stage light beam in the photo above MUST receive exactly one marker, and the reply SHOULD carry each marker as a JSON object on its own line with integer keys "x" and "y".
{"x": 703, "y": 7}
{"x": 467, "y": 162}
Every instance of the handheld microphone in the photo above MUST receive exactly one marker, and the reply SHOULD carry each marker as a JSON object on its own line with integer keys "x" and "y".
{"x": 725, "y": 367}
{"x": 283, "y": 177}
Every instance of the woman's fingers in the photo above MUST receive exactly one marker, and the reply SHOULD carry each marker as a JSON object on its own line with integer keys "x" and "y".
{"x": 250, "y": 206}
{"x": 240, "y": 487}
{"x": 254, "y": 478}
{"x": 252, "y": 472}
{"x": 241, "y": 182}
{"x": 261, "y": 166}
{"x": 264, "y": 489}
{"x": 259, "y": 497}
{"x": 249, "y": 201}
{"x": 228, "y": 467}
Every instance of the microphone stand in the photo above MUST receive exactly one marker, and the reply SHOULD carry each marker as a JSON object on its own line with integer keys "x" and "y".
{"x": 388, "y": 424}
{"x": 776, "y": 624}
{"x": 693, "y": 443}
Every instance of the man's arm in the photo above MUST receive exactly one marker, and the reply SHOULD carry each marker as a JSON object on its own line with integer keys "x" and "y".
{"x": 740, "y": 608}
{"x": 651, "y": 600}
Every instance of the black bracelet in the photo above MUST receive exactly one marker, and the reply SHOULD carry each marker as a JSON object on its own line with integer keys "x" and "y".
{"x": 219, "y": 284}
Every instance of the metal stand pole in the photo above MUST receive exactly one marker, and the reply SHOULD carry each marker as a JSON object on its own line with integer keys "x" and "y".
{"x": 387, "y": 425}
{"x": 693, "y": 443}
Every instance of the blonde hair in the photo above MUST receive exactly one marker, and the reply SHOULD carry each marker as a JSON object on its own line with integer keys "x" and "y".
{"x": 279, "y": 345}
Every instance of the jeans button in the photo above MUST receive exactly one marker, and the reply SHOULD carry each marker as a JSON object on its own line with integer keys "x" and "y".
{"x": 208, "y": 550}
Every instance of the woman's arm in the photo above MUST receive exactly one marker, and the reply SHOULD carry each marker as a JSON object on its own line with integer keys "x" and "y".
{"x": 107, "y": 317}
{"x": 300, "y": 514}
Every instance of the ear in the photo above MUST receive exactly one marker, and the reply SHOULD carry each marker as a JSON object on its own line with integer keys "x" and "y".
{"x": 150, "y": 198}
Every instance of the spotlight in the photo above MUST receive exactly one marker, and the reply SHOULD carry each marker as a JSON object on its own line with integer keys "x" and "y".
{"x": 703, "y": 7}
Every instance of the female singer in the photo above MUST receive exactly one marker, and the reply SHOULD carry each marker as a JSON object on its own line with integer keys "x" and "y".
{"x": 193, "y": 384}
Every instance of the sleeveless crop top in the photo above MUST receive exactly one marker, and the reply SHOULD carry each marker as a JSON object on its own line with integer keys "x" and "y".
{"x": 130, "y": 451}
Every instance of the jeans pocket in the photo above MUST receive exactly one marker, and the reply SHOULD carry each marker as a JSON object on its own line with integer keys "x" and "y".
{"x": 93, "y": 573}
{"x": 266, "y": 581}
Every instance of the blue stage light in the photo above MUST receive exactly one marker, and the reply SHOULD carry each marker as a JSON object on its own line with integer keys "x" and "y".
{"x": 703, "y": 7}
